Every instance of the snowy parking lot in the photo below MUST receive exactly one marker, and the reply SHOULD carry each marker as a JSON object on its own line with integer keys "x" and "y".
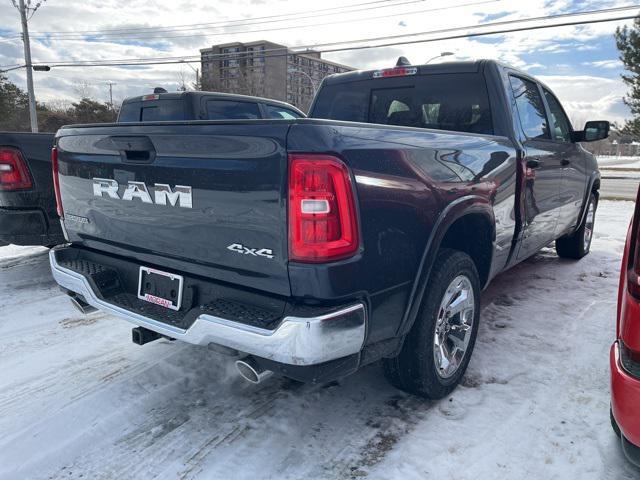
{"x": 79, "y": 400}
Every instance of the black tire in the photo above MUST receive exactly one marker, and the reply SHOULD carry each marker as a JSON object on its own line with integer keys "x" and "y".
{"x": 415, "y": 369}
{"x": 578, "y": 245}
{"x": 614, "y": 424}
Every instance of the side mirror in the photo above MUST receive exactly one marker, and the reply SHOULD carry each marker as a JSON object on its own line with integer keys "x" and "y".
{"x": 593, "y": 131}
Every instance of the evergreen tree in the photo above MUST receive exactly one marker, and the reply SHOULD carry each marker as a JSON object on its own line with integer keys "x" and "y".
{"x": 628, "y": 43}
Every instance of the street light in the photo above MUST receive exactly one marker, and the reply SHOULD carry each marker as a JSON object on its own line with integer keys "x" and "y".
{"x": 443, "y": 54}
{"x": 301, "y": 72}
{"x": 196, "y": 70}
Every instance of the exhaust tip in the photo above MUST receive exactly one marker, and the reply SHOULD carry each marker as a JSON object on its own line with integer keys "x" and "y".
{"x": 81, "y": 305}
{"x": 251, "y": 371}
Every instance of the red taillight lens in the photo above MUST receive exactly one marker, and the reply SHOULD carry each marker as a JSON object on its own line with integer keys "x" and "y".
{"x": 633, "y": 261}
{"x": 14, "y": 174}
{"x": 56, "y": 181}
{"x": 322, "y": 217}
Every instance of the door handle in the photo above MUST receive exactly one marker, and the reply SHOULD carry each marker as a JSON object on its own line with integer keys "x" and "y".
{"x": 565, "y": 161}
{"x": 534, "y": 163}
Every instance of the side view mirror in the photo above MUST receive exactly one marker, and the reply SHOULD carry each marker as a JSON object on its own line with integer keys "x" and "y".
{"x": 594, "y": 130}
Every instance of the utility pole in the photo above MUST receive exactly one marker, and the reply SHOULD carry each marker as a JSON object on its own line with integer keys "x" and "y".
{"x": 27, "y": 60}
{"x": 111, "y": 84}
{"x": 24, "y": 11}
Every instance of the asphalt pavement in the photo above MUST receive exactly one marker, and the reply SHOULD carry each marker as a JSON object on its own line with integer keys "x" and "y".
{"x": 618, "y": 186}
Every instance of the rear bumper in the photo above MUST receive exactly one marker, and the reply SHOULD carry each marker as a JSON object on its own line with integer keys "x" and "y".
{"x": 296, "y": 341}
{"x": 625, "y": 404}
{"x": 27, "y": 227}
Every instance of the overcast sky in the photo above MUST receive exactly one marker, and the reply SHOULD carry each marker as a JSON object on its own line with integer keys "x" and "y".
{"x": 579, "y": 63}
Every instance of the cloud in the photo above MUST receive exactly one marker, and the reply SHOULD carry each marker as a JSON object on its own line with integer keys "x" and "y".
{"x": 610, "y": 64}
{"x": 587, "y": 97}
{"x": 539, "y": 51}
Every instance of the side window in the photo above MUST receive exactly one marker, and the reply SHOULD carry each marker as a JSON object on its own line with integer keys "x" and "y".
{"x": 230, "y": 110}
{"x": 530, "y": 108}
{"x": 561, "y": 128}
{"x": 280, "y": 112}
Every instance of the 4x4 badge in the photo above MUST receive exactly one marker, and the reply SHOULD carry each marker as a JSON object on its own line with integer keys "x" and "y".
{"x": 256, "y": 252}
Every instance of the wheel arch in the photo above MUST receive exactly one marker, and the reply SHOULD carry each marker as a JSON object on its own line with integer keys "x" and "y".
{"x": 593, "y": 186}
{"x": 461, "y": 217}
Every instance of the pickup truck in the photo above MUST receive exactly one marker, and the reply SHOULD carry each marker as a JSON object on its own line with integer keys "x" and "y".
{"x": 311, "y": 247}
{"x": 27, "y": 206}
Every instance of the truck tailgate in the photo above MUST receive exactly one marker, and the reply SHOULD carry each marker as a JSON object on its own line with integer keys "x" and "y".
{"x": 208, "y": 198}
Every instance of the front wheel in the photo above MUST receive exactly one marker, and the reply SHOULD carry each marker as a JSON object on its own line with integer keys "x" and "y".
{"x": 578, "y": 244}
{"x": 437, "y": 350}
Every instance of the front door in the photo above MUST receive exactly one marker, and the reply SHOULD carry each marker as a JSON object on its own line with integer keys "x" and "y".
{"x": 543, "y": 166}
{"x": 574, "y": 177}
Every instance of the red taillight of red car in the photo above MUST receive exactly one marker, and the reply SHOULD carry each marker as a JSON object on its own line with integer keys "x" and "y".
{"x": 14, "y": 174}
{"x": 56, "y": 181}
{"x": 323, "y": 224}
{"x": 633, "y": 264}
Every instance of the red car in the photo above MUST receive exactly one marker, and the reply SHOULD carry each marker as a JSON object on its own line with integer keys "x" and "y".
{"x": 625, "y": 351}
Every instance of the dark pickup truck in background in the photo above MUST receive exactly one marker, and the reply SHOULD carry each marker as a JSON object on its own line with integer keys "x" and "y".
{"x": 312, "y": 247}
{"x": 27, "y": 205}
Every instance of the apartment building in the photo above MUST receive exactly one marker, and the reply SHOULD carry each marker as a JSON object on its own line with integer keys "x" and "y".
{"x": 266, "y": 69}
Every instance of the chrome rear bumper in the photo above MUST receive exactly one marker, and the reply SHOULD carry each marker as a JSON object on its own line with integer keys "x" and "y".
{"x": 296, "y": 341}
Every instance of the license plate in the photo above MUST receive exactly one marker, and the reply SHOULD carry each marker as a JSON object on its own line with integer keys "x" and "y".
{"x": 161, "y": 288}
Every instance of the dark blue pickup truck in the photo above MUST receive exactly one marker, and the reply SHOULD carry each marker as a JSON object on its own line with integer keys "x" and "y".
{"x": 311, "y": 247}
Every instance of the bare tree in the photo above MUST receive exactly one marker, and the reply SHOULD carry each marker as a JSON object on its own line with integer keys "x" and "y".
{"x": 83, "y": 89}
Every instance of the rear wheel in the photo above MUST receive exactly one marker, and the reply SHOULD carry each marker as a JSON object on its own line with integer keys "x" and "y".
{"x": 437, "y": 350}
{"x": 578, "y": 244}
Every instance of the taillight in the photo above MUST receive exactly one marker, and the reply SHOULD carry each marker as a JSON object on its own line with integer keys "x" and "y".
{"x": 323, "y": 224}
{"x": 633, "y": 258}
{"x": 56, "y": 181}
{"x": 14, "y": 174}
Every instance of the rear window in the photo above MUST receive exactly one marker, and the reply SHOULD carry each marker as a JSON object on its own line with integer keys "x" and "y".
{"x": 280, "y": 112}
{"x": 152, "y": 111}
{"x": 230, "y": 110}
{"x": 457, "y": 102}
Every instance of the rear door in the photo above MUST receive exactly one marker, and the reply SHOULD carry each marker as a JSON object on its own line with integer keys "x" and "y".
{"x": 204, "y": 198}
{"x": 543, "y": 175}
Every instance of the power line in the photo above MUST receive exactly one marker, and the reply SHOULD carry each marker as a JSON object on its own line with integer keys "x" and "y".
{"x": 229, "y": 23}
{"x": 365, "y": 47}
{"x": 240, "y": 55}
{"x": 226, "y": 21}
{"x": 162, "y": 35}
{"x": 334, "y": 22}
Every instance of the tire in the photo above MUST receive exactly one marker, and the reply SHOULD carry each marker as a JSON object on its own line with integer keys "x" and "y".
{"x": 614, "y": 424}
{"x": 419, "y": 368}
{"x": 578, "y": 244}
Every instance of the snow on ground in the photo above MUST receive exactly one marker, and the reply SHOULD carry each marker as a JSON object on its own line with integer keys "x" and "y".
{"x": 79, "y": 400}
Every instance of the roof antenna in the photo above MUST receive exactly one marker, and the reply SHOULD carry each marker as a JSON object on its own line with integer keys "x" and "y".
{"x": 403, "y": 62}
{"x": 159, "y": 90}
